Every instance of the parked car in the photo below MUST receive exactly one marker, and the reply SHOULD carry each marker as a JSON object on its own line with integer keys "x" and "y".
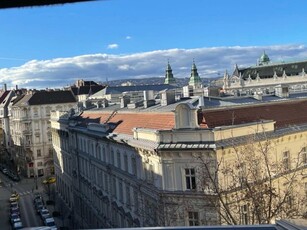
{"x": 37, "y": 198}
{"x": 39, "y": 207}
{"x": 14, "y": 197}
{"x": 5, "y": 171}
{"x": 49, "y": 180}
{"x": 50, "y": 222}
{"x": 14, "y": 220}
{"x": 44, "y": 213}
{"x": 14, "y": 204}
{"x": 15, "y": 178}
{"x": 15, "y": 210}
{"x": 14, "y": 217}
{"x": 17, "y": 225}
{"x": 38, "y": 203}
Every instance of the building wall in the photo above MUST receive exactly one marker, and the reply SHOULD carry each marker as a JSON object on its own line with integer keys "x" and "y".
{"x": 31, "y": 135}
{"x": 242, "y": 164}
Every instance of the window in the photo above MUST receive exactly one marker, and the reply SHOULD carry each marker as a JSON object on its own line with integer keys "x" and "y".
{"x": 242, "y": 174}
{"x": 136, "y": 201}
{"x": 49, "y": 136}
{"x": 149, "y": 172}
{"x": 126, "y": 162}
{"x": 244, "y": 214}
{"x": 39, "y": 153}
{"x": 98, "y": 155}
{"x": 35, "y": 112}
{"x": 112, "y": 157}
{"x": 39, "y": 164}
{"x": 133, "y": 164}
{"x": 193, "y": 219}
{"x": 286, "y": 160}
{"x": 114, "y": 187}
{"x": 103, "y": 153}
{"x": 304, "y": 156}
{"x": 48, "y": 111}
{"x": 119, "y": 163}
{"x": 106, "y": 183}
{"x": 190, "y": 179}
{"x": 120, "y": 190}
{"x": 128, "y": 200}
{"x": 50, "y": 152}
{"x": 289, "y": 201}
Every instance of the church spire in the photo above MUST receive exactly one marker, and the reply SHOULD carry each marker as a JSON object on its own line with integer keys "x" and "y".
{"x": 194, "y": 78}
{"x": 169, "y": 77}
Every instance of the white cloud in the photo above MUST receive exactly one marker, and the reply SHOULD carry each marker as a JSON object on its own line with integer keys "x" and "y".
{"x": 128, "y": 37}
{"x": 210, "y": 62}
{"x": 113, "y": 46}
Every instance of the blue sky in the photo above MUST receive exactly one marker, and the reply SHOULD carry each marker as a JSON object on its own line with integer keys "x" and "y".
{"x": 55, "y": 45}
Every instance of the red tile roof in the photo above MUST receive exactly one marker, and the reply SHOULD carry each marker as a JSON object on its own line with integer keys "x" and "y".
{"x": 284, "y": 113}
{"x": 128, "y": 121}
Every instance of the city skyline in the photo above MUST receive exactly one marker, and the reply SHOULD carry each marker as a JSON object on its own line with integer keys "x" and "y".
{"x": 52, "y": 46}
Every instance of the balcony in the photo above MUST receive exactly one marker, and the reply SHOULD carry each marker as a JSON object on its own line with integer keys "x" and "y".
{"x": 27, "y": 132}
{"x": 24, "y": 118}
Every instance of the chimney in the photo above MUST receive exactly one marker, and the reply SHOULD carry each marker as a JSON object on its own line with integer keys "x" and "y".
{"x": 105, "y": 103}
{"x": 4, "y": 87}
{"x": 167, "y": 97}
{"x": 16, "y": 87}
{"x": 149, "y": 98}
{"x": 124, "y": 101}
{"x": 99, "y": 104}
{"x": 258, "y": 96}
{"x": 201, "y": 101}
{"x": 148, "y": 95}
{"x": 282, "y": 91}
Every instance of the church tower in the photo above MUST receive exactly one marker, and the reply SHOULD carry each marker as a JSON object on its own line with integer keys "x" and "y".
{"x": 195, "y": 80}
{"x": 169, "y": 77}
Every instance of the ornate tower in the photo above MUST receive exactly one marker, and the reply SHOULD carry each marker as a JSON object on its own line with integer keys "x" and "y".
{"x": 195, "y": 80}
{"x": 264, "y": 59}
{"x": 169, "y": 77}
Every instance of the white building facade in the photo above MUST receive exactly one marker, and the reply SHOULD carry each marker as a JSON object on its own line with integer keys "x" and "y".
{"x": 149, "y": 178}
{"x": 30, "y": 131}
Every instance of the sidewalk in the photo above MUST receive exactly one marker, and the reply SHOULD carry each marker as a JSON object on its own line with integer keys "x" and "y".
{"x": 55, "y": 207}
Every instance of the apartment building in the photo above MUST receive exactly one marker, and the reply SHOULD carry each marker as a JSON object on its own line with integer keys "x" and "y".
{"x": 132, "y": 168}
{"x": 30, "y": 132}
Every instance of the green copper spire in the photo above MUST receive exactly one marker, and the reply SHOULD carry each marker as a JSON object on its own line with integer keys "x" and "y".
{"x": 169, "y": 77}
{"x": 264, "y": 59}
{"x": 194, "y": 78}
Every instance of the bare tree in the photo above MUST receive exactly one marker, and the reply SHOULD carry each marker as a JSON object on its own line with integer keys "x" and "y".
{"x": 253, "y": 183}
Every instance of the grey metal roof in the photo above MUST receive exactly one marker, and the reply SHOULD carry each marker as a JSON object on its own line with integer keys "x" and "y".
{"x": 267, "y": 71}
{"x": 138, "y": 143}
{"x": 269, "y": 135}
{"x": 46, "y": 97}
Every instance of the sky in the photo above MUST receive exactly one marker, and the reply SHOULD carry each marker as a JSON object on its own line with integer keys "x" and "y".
{"x": 53, "y": 46}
